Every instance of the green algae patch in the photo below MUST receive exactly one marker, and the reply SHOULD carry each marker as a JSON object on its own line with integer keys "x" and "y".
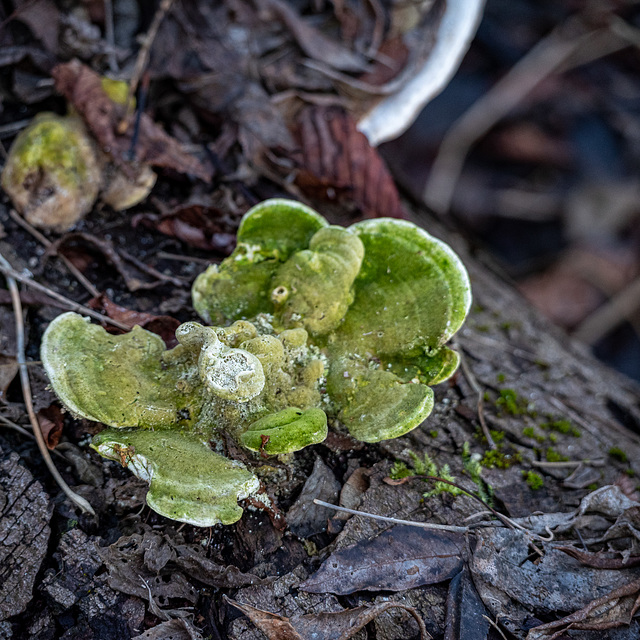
{"x": 533, "y": 479}
{"x": 311, "y": 321}
{"x": 618, "y": 454}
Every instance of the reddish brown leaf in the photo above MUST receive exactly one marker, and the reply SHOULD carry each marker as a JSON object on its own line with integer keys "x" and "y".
{"x": 337, "y": 160}
{"x": 402, "y": 557}
{"x": 396, "y": 55}
{"x": 51, "y": 424}
{"x": 83, "y": 89}
{"x": 164, "y": 326}
{"x": 340, "y": 625}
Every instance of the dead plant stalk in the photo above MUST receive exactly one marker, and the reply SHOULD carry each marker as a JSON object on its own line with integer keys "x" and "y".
{"x": 26, "y": 391}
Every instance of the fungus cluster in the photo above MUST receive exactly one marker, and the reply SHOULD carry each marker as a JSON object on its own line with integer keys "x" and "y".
{"x": 309, "y": 321}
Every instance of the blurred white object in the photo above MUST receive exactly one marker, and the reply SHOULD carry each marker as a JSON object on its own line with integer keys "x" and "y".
{"x": 396, "y": 113}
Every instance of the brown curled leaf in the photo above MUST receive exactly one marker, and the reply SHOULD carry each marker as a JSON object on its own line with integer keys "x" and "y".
{"x": 82, "y": 87}
{"x": 51, "y": 424}
{"x": 339, "y": 625}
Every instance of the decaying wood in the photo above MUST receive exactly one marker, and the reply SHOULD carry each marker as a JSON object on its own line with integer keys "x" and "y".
{"x": 25, "y": 512}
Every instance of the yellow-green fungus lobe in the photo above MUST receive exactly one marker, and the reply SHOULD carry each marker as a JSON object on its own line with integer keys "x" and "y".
{"x": 286, "y": 431}
{"x": 52, "y": 173}
{"x": 312, "y": 321}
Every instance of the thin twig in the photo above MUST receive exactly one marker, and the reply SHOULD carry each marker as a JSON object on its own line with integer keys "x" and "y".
{"x": 163, "y": 255}
{"x": 495, "y": 626}
{"x": 473, "y": 382}
{"x": 506, "y": 520}
{"x": 109, "y": 34}
{"x": 151, "y": 271}
{"x": 16, "y": 427}
{"x": 143, "y": 55}
{"x": 6, "y": 269}
{"x": 27, "y": 434}
{"x": 543, "y": 464}
{"x": 545, "y": 58}
{"x": 423, "y": 525}
{"x": 26, "y": 392}
{"x": 16, "y": 217}
{"x": 142, "y": 104}
{"x": 607, "y": 317}
{"x": 12, "y": 128}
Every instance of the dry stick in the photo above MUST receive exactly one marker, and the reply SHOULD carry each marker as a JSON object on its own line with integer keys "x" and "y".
{"x": 442, "y": 527}
{"x": 480, "y": 403}
{"x": 26, "y": 392}
{"x": 423, "y": 525}
{"x": 13, "y": 127}
{"x": 494, "y": 625}
{"x": 27, "y": 434}
{"x": 543, "y": 464}
{"x": 47, "y": 243}
{"x": 174, "y": 256}
{"x": 74, "y": 306}
{"x": 15, "y": 427}
{"x": 109, "y": 33}
{"x": 618, "y": 308}
{"x": 505, "y": 519}
{"x": 546, "y": 57}
{"x": 143, "y": 57}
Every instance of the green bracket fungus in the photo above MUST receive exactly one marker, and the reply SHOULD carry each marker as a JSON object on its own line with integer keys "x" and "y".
{"x": 286, "y": 431}
{"x": 313, "y": 322}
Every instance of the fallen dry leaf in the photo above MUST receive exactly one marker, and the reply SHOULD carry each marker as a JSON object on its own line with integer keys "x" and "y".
{"x": 306, "y": 518}
{"x": 466, "y": 614}
{"x": 198, "y": 225}
{"x": 400, "y": 558}
{"x": 615, "y": 609}
{"x": 340, "y": 625}
{"x": 337, "y": 161}
{"x": 43, "y": 18}
{"x": 601, "y": 560}
{"x": 177, "y": 629}
{"x": 315, "y": 43}
{"x": 512, "y": 583}
{"x": 164, "y": 326}
{"x": 82, "y": 87}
